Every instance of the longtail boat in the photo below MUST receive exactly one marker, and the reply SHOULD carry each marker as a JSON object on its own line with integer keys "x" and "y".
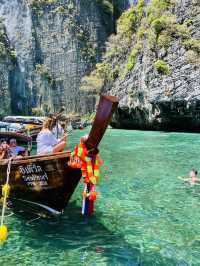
{"x": 24, "y": 120}
{"x": 19, "y": 131}
{"x": 21, "y": 138}
{"x": 46, "y": 183}
{"x": 27, "y": 125}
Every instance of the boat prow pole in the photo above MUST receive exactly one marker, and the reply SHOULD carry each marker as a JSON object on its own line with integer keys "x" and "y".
{"x": 106, "y": 108}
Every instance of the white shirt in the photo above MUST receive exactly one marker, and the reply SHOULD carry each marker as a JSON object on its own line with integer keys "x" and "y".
{"x": 45, "y": 142}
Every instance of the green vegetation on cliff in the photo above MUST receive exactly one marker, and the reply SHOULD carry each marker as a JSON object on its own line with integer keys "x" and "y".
{"x": 128, "y": 22}
{"x": 119, "y": 45}
{"x": 5, "y": 50}
{"x": 37, "y": 111}
{"x": 192, "y": 44}
{"x": 132, "y": 57}
{"x": 162, "y": 67}
{"x": 44, "y": 71}
{"x": 37, "y": 4}
{"x": 153, "y": 27}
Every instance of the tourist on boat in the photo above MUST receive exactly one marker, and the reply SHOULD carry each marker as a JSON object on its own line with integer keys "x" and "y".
{"x": 192, "y": 179}
{"x": 47, "y": 142}
{"x": 2, "y": 152}
{"x": 14, "y": 148}
{"x": 57, "y": 127}
{"x": 23, "y": 153}
{"x": 5, "y": 151}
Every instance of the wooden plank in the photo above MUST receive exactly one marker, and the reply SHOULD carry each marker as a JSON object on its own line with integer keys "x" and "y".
{"x": 37, "y": 158}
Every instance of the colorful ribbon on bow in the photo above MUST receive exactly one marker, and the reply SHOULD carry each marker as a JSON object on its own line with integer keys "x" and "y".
{"x": 90, "y": 168}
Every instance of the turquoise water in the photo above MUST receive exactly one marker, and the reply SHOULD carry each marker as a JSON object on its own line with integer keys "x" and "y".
{"x": 144, "y": 215}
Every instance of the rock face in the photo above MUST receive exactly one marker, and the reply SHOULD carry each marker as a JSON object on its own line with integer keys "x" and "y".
{"x": 16, "y": 17}
{"x": 7, "y": 64}
{"x": 161, "y": 89}
{"x": 152, "y": 64}
{"x": 56, "y": 42}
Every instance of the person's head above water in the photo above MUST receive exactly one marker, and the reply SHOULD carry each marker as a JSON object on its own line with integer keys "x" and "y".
{"x": 193, "y": 173}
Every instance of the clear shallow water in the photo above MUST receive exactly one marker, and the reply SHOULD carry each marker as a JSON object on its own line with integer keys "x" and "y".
{"x": 143, "y": 216}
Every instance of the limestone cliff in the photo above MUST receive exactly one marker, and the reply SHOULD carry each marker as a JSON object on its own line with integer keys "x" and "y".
{"x": 55, "y": 43}
{"x": 153, "y": 66}
{"x": 7, "y": 65}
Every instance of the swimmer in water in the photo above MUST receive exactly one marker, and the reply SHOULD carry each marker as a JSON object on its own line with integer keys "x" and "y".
{"x": 192, "y": 179}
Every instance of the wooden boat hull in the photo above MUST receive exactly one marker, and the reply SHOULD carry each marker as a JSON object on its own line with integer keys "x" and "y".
{"x": 42, "y": 184}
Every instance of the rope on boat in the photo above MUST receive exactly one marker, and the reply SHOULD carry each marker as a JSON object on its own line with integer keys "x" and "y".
{"x": 29, "y": 142}
{"x": 33, "y": 220}
{"x": 5, "y": 193}
{"x": 9, "y": 215}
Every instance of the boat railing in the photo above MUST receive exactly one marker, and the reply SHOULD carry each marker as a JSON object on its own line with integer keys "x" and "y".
{"x": 37, "y": 158}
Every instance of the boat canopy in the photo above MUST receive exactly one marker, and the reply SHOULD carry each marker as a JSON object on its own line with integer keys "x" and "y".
{"x": 11, "y": 127}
